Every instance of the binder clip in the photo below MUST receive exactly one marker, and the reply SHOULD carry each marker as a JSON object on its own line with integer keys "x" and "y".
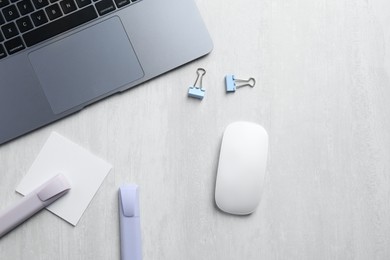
{"x": 231, "y": 81}
{"x": 194, "y": 91}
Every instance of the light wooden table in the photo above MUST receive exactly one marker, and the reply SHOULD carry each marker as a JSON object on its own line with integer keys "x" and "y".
{"x": 323, "y": 94}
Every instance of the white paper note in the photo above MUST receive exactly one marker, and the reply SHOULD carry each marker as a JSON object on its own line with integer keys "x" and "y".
{"x": 84, "y": 171}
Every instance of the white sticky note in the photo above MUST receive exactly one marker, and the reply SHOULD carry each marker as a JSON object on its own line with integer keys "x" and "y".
{"x": 84, "y": 171}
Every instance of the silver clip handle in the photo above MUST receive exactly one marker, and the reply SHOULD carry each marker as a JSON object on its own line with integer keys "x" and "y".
{"x": 249, "y": 82}
{"x": 200, "y": 73}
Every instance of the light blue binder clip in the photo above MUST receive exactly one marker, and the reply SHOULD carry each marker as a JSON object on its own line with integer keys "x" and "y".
{"x": 231, "y": 81}
{"x": 195, "y": 91}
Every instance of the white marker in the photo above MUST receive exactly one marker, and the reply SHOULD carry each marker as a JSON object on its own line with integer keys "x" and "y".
{"x": 40, "y": 198}
{"x": 130, "y": 228}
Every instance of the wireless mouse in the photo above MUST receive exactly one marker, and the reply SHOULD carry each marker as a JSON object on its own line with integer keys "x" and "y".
{"x": 241, "y": 168}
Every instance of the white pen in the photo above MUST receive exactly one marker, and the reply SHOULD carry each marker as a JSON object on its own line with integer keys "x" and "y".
{"x": 38, "y": 199}
{"x": 130, "y": 228}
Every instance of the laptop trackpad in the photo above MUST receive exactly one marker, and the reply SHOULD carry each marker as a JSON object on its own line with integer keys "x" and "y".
{"x": 86, "y": 65}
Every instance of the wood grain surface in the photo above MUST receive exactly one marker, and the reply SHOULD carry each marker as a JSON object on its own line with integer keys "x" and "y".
{"x": 322, "y": 71}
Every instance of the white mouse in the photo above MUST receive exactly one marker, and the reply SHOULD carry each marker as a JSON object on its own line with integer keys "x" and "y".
{"x": 241, "y": 168}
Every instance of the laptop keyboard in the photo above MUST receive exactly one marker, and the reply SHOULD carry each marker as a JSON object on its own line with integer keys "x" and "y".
{"x": 25, "y": 23}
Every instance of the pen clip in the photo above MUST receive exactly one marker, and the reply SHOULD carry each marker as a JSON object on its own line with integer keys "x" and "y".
{"x": 129, "y": 200}
{"x": 129, "y": 222}
{"x": 53, "y": 189}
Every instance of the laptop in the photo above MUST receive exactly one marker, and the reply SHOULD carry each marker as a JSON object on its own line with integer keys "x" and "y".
{"x": 58, "y": 56}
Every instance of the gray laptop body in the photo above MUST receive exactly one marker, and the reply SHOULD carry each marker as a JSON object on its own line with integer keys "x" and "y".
{"x": 46, "y": 75}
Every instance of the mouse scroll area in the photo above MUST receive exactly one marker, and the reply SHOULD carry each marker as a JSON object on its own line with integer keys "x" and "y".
{"x": 241, "y": 168}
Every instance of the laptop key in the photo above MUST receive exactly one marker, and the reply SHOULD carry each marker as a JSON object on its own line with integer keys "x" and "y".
{"x": 14, "y": 45}
{"x": 3, "y": 54}
{"x": 68, "y": 6}
{"x": 59, "y": 26}
{"x": 105, "y": 6}
{"x": 40, "y": 3}
{"x": 53, "y": 11}
{"x": 9, "y": 30}
{"x": 120, "y": 3}
{"x": 1, "y": 37}
{"x": 82, "y": 3}
{"x": 4, "y": 3}
{"x": 39, "y": 18}
{"x": 25, "y": 7}
{"x": 10, "y": 13}
{"x": 24, "y": 24}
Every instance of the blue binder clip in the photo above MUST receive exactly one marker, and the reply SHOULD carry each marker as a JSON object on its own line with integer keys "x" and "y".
{"x": 231, "y": 81}
{"x": 194, "y": 91}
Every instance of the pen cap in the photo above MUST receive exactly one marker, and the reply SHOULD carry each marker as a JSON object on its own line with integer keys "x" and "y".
{"x": 54, "y": 187}
{"x": 129, "y": 200}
